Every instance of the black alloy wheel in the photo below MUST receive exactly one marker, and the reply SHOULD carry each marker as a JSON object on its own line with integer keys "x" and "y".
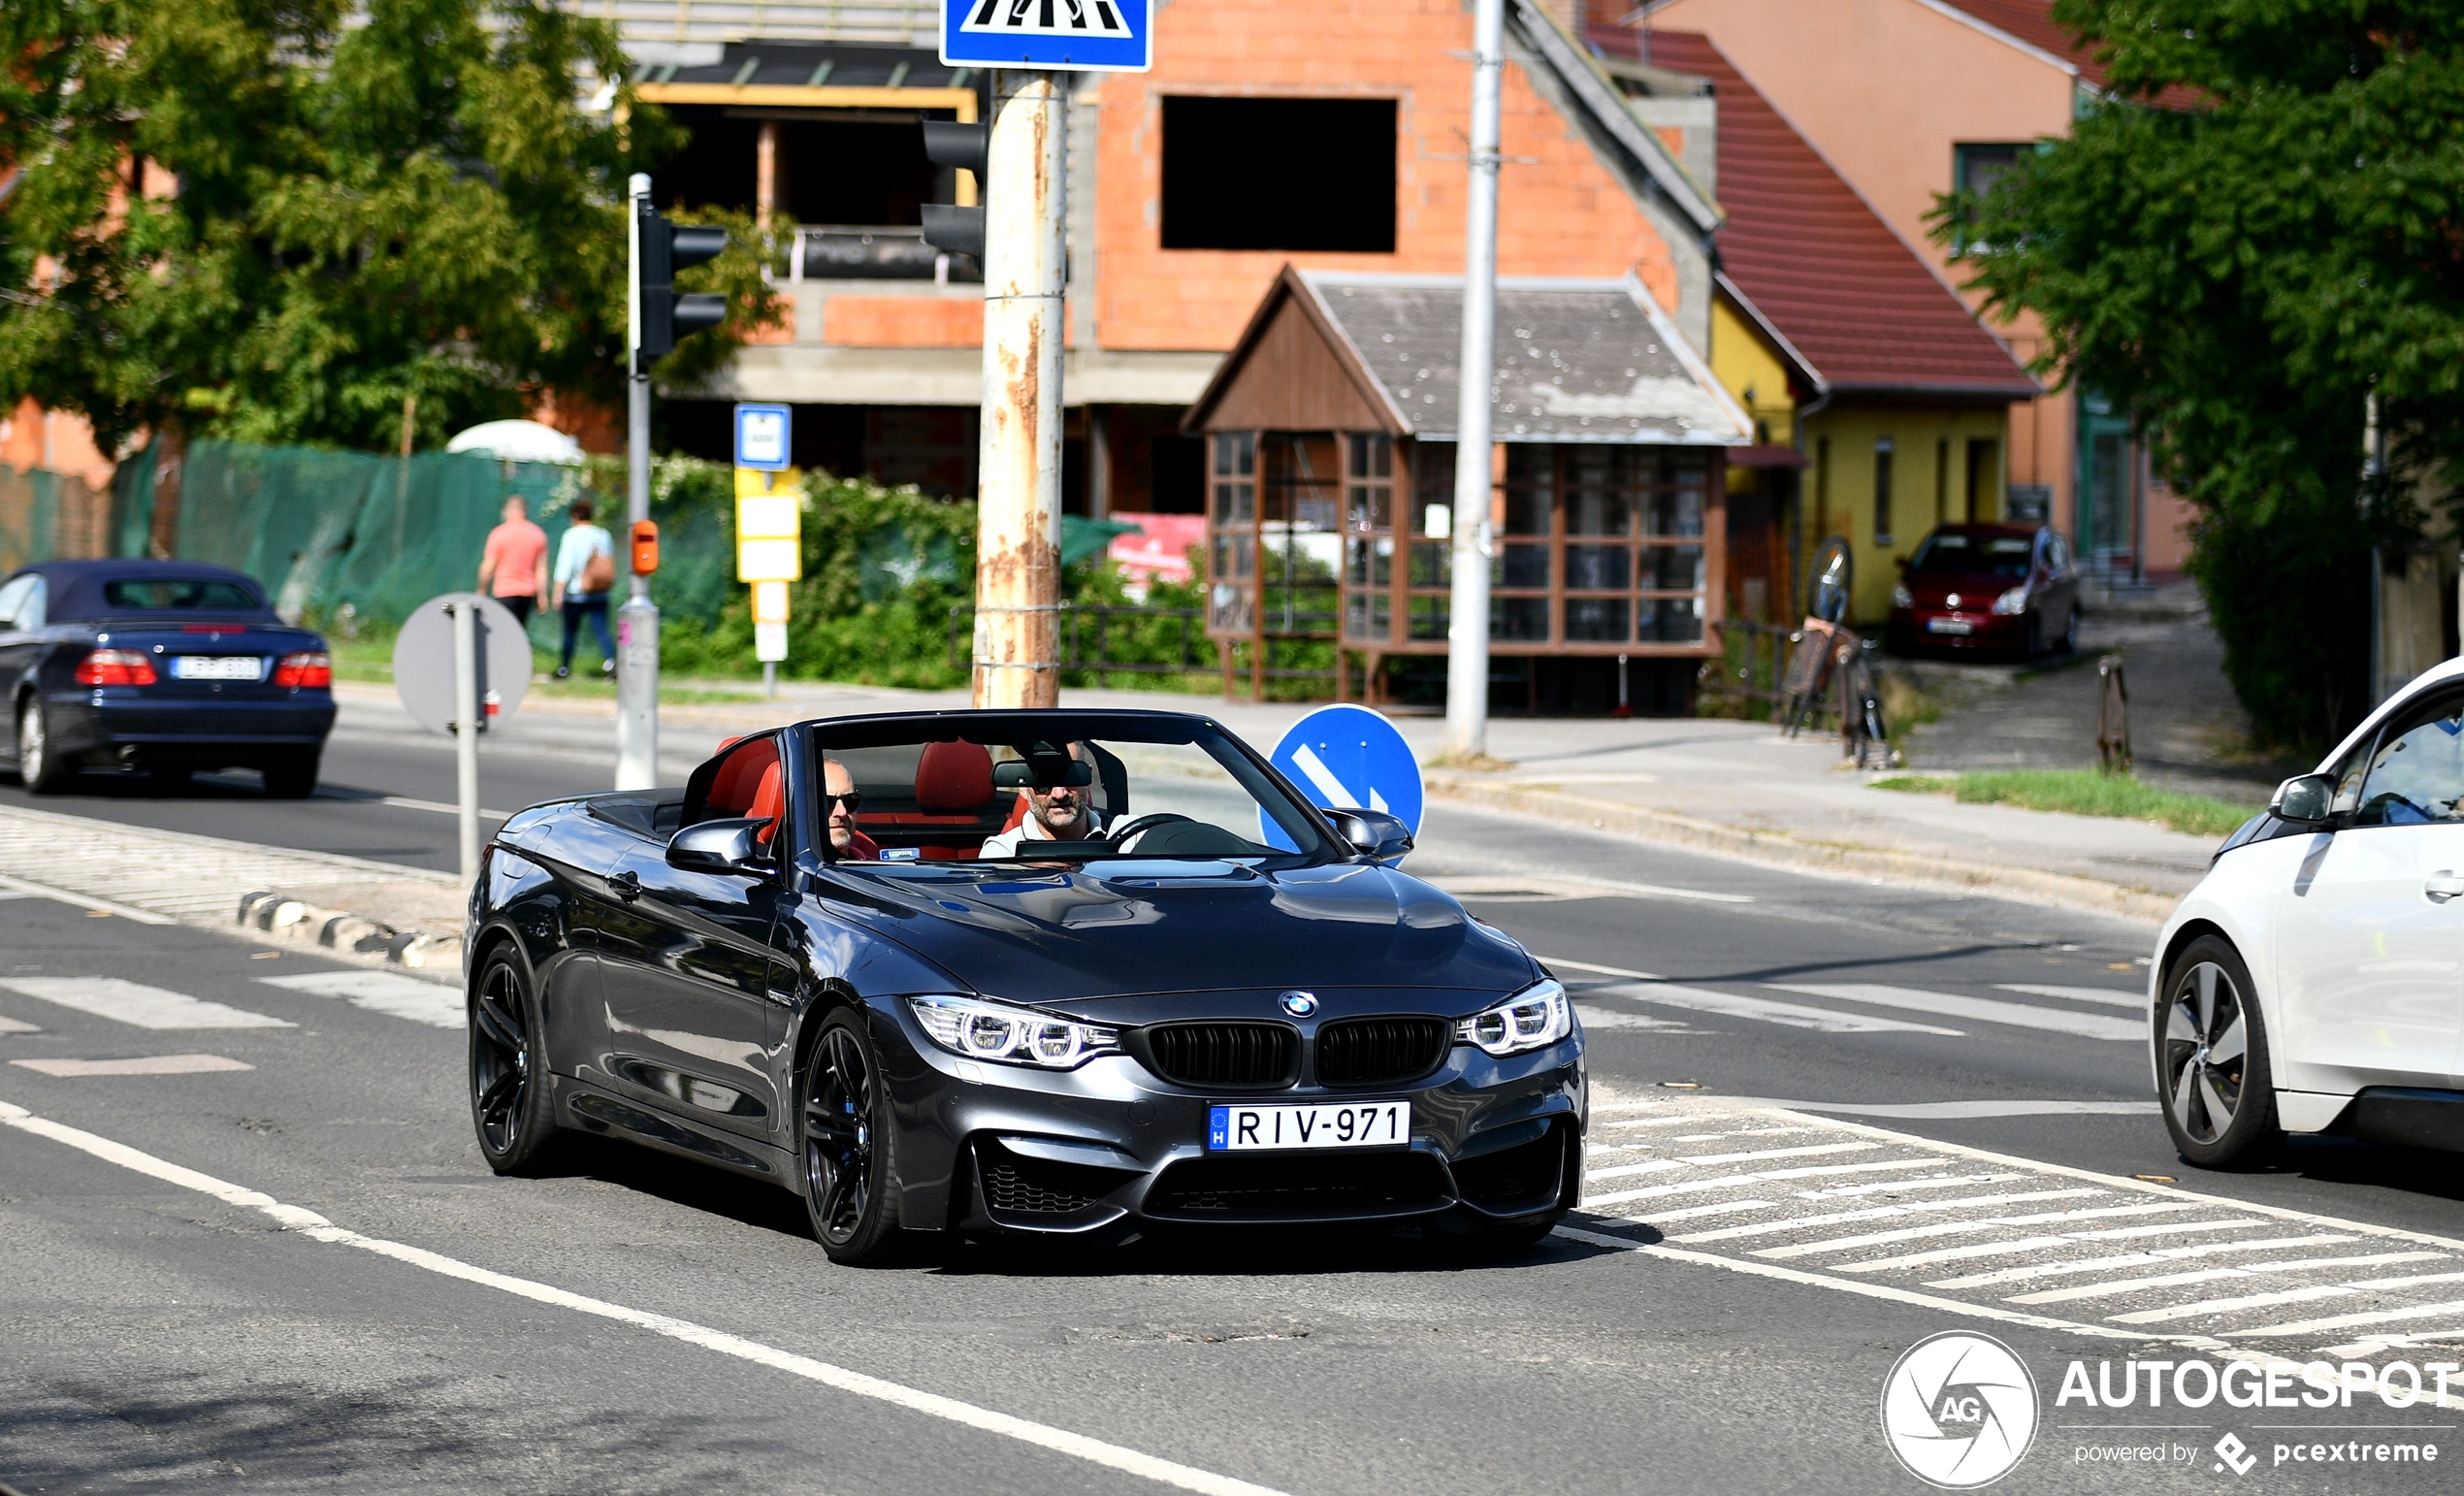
{"x": 509, "y": 1069}
{"x": 850, "y": 1187}
{"x": 38, "y": 767}
{"x": 2219, "y": 1100}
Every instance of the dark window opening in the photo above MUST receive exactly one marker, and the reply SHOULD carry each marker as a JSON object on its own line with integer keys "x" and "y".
{"x": 717, "y": 166}
{"x": 1179, "y": 475}
{"x": 858, "y": 169}
{"x": 1278, "y": 174}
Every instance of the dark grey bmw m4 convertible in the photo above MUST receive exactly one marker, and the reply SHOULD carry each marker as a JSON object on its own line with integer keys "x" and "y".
{"x": 1052, "y": 972}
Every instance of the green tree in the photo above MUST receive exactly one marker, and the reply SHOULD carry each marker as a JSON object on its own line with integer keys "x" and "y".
{"x": 2256, "y": 229}
{"x": 243, "y": 218}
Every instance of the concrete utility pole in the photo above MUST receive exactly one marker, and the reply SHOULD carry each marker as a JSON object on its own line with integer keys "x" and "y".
{"x": 638, "y": 620}
{"x": 1467, "y": 673}
{"x": 1017, "y": 555}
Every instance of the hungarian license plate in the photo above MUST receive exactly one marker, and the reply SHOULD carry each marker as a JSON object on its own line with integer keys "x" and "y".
{"x": 1234, "y": 1127}
{"x": 217, "y": 667}
{"x": 1949, "y": 626}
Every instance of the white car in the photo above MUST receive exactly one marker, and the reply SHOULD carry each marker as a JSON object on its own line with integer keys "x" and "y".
{"x": 2313, "y": 981}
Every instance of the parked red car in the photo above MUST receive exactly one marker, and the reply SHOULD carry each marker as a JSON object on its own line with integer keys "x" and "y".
{"x": 1997, "y": 587}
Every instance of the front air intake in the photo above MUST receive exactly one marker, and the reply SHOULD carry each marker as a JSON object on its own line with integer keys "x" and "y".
{"x": 1381, "y": 1051}
{"x": 1222, "y": 1057}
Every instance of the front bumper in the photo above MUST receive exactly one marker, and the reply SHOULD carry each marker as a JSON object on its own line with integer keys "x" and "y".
{"x": 1110, "y": 1147}
{"x": 1914, "y": 628}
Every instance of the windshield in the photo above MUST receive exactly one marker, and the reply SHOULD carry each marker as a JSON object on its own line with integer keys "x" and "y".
{"x": 1041, "y": 788}
{"x": 1976, "y": 555}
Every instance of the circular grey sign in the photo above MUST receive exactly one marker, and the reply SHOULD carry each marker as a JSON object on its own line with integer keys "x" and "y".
{"x": 423, "y": 662}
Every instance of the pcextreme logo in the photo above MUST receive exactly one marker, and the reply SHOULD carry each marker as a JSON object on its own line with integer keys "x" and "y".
{"x": 1960, "y": 1409}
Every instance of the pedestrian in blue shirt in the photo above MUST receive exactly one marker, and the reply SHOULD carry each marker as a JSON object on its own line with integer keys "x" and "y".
{"x": 585, "y": 574}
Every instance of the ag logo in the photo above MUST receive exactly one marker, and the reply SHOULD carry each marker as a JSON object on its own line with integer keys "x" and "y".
{"x": 1960, "y": 1409}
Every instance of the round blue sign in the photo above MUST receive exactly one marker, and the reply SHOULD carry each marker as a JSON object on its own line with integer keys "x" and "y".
{"x": 1350, "y": 758}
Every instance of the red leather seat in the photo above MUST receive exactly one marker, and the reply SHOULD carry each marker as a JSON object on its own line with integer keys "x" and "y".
{"x": 767, "y": 802}
{"x": 953, "y": 779}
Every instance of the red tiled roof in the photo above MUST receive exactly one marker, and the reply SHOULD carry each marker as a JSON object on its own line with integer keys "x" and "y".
{"x": 1817, "y": 262}
{"x": 2032, "y": 21}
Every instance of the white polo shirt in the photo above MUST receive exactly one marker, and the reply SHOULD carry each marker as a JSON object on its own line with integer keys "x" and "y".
{"x": 1032, "y": 830}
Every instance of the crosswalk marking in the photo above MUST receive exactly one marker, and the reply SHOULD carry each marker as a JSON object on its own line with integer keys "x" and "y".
{"x": 14, "y": 1026}
{"x": 382, "y": 992}
{"x": 1886, "y": 1211}
{"x": 1787, "y": 1015}
{"x": 1650, "y": 1166}
{"x": 137, "y": 1004}
{"x": 2355, "y": 1322}
{"x": 1741, "y": 1181}
{"x": 2124, "y": 1286}
{"x": 149, "y": 1064}
{"x": 1984, "y": 1010}
{"x": 1960, "y": 1227}
{"x": 2104, "y": 994}
{"x": 2153, "y": 1255}
{"x": 1724, "y": 1208}
{"x": 1806, "y": 1151}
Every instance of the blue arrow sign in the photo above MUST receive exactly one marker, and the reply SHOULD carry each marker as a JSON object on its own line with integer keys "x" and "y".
{"x": 1345, "y": 757}
{"x": 1064, "y": 36}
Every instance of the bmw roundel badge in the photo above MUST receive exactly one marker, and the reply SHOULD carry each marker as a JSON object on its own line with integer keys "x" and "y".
{"x": 1300, "y": 1004}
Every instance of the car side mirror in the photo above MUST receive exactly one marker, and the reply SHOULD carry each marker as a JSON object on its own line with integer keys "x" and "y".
{"x": 721, "y": 847}
{"x": 2307, "y": 800}
{"x": 1376, "y": 833}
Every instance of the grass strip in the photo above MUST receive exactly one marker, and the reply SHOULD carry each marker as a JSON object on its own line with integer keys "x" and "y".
{"x": 2083, "y": 792}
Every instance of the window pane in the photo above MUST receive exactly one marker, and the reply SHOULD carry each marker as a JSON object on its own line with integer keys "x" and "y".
{"x": 1672, "y": 567}
{"x": 1234, "y": 557}
{"x": 2418, "y": 775}
{"x": 1235, "y": 453}
{"x": 1668, "y": 620}
{"x": 1228, "y": 609}
{"x": 1371, "y": 455}
{"x": 1520, "y": 565}
{"x": 1597, "y": 568}
{"x": 1597, "y": 511}
{"x": 1367, "y": 615}
{"x": 1601, "y": 620}
{"x": 1428, "y": 618}
{"x": 1518, "y": 618}
{"x": 1530, "y": 465}
{"x": 1235, "y": 503}
{"x": 1673, "y": 511}
{"x": 1432, "y": 564}
{"x": 1369, "y": 563}
{"x": 1370, "y": 507}
{"x": 1526, "y": 511}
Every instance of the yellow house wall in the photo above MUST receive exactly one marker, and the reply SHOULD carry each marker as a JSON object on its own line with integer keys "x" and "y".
{"x": 1839, "y": 493}
{"x": 1743, "y": 362}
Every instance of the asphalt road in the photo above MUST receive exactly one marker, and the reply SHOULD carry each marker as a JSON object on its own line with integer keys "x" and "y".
{"x": 153, "y": 1336}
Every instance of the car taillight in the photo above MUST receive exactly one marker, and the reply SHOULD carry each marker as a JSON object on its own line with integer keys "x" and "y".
{"x": 116, "y": 667}
{"x": 309, "y": 667}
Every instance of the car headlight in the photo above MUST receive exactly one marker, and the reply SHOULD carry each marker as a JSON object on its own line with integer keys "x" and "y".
{"x": 1901, "y": 597}
{"x": 996, "y": 1031}
{"x": 2012, "y": 603}
{"x": 1533, "y": 1019}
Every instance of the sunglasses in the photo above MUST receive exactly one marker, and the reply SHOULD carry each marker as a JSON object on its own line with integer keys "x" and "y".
{"x": 851, "y": 799}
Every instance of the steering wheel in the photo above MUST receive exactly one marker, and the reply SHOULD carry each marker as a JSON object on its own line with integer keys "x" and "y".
{"x": 1143, "y": 825}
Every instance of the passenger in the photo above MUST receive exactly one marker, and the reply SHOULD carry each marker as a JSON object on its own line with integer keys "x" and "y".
{"x": 840, "y": 799}
{"x": 1062, "y": 813}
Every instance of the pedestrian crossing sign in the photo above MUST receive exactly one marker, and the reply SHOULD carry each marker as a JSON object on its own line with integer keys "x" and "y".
{"x": 1064, "y": 36}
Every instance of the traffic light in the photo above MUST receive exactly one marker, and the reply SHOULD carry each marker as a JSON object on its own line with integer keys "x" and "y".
{"x": 959, "y": 230}
{"x": 661, "y": 248}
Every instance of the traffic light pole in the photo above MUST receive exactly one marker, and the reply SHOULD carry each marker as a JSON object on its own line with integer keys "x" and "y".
{"x": 638, "y": 620}
{"x": 1467, "y": 675}
{"x": 1019, "y": 487}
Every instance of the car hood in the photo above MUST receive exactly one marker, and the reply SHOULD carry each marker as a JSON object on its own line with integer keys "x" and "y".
{"x": 1081, "y": 939}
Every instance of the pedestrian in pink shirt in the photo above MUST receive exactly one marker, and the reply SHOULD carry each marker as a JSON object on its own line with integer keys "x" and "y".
{"x": 515, "y": 561}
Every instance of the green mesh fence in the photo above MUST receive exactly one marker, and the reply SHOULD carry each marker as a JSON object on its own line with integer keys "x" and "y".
{"x": 50, "y": 516}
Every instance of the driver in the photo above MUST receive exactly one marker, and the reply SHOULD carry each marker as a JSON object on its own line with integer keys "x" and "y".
{"x": 840, "y": 799}
{"x": 1062, "y": 813}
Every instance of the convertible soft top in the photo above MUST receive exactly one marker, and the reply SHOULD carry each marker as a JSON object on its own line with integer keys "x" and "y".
{"x": 76, "y": 588}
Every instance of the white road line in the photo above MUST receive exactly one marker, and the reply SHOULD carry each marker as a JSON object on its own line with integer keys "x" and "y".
{"x": 1655, "y": 1166}
{"x": 1955, "y": 1229}
{"x": 2104, "y": 994}
{"x": 1960, "y": 1108}
{"x": 1983, "y": 1010}
{"x": 15, "y": 1025}
{"x": 2153, "y": 1255}
{"x": 1650, "y": 1121}
{"x": 1756, "y": 1156}
{"x": 2378, "y": 1345}
{"x": 1886, "y": 1211}
{"x": 406, "y": 802}
{"x": 316, "y": 1227}
{"x": 1973, "y": 1252}
{"x": 1571, "y": 964}
{"x": 2121, "y": 1286}
{"x": 1764, "y": 1010}
{"x": 1766, "y": 1176}
{"x": 2352, "y": 1321}
{"x": 149, "y": 1064}
{"x": 1724, "y": 1208}
{"x": 137, "y": 1004}
{"x": 1735, "y": 1132}
{"x": 382, "y": 992}
{"x": 2206, "y": 1307}
{"x": 1900, "y": 1186}
{"x": 28, "y": 889}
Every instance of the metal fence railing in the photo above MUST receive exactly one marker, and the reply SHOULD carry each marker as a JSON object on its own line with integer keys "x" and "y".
{"x": 1181, "y": 654}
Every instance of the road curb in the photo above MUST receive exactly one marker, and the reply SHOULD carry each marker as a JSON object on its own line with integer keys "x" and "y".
{"x": 344, "y": 933}
{"x": 1778, "y": 849}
